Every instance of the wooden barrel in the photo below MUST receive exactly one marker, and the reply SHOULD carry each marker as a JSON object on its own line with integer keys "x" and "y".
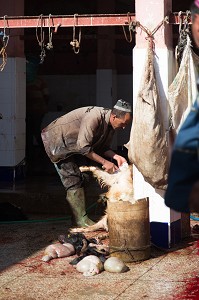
{"x": 129, "y": 230}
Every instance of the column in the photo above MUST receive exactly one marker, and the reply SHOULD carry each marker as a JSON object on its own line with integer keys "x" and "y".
{"x": 165, "y": 223}
{"x": 12, "y": 101}
{"x": 106, "y": 73}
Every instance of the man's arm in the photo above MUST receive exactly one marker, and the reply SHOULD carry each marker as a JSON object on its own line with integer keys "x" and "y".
{"x": 106, "y": 164}
{"x": 111, "y": 154}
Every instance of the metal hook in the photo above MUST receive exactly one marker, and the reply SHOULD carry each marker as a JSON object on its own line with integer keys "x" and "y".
{"x": 56, "y": 27}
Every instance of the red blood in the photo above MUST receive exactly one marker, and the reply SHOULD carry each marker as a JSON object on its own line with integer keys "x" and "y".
{"x": 191, "y": 290}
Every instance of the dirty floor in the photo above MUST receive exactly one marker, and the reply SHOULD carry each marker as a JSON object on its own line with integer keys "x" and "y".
{"x": 166, "y": 275}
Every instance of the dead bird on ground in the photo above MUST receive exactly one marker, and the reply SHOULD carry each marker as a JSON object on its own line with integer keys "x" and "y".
{"x": 84, "y": 246}
{"x": 74, "y": 243}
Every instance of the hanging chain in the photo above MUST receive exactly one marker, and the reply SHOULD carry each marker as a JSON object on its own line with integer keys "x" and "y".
{"x": 76, "y": 43}
{"x": 41, "y": 39}
{"x": 5, "y": 40}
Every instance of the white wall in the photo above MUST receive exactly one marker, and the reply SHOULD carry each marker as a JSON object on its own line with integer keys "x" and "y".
{"x": 70, "y": 91}
{"x": 12, "y": 107}
{"x": 73, "y": 91}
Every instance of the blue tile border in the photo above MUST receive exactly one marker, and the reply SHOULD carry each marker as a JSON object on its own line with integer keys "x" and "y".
{"x": 11, "y": 174}
{"x": 160, "y": 233}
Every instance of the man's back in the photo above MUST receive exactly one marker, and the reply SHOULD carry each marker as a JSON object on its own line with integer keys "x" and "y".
{"x": 76, "y": 132}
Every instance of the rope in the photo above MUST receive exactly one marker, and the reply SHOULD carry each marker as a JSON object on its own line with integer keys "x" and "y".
{"x": 165, "y": 20}
{"x": 150, "y": 34}
{"x": 76, "y": 43}
{"x": 5, "y": 43}
{"x": 41, "y": 39}
{"x": 49, "y": 45}
{"x": 4, "y": 57}
{"x": 124, "y": 249}
{"x": 132, "y": 27}
{"x": 128, "y": 250}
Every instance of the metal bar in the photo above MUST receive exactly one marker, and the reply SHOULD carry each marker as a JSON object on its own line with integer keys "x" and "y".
{"x": 78, "y": 20}
{"x": 66, "y": 20}
{"x": 178, "y": 17}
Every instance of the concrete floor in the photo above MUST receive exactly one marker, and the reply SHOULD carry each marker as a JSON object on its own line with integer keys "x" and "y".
{"x": 165, "y": 275}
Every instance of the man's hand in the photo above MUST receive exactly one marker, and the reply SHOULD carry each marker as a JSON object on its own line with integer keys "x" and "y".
{"x": 120, "y": 159}
{"x": 109, "y": 167}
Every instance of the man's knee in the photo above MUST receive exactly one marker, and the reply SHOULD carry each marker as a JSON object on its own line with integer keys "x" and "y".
{"x": 70, "y": 175}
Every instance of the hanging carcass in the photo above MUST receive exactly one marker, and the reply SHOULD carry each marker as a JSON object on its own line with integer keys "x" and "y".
{"x": 148, "y": 145}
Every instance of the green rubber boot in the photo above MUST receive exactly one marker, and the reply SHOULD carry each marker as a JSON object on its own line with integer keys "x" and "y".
{"x": 76, "y": 199}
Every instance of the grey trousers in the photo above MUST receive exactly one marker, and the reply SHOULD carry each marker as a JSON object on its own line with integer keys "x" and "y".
{"x": 69, "y": 172}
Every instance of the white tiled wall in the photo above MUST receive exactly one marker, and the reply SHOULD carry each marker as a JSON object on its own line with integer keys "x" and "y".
{"x": 110, "y": 88}
{"x": 12, "y": 108}
{"x": 73, "y": 91}
{"x": 69, "y": 91}
{"x": 106, "y": 87}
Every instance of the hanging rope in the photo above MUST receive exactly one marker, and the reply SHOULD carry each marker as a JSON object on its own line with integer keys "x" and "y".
{"x": 41, "y": 39}
{"x": 162, "y": 23}
{"x": 76, "y": 43}
{"x": 5, "y": 40}
{"x": 131, "y": 27}
{"x": 150, "y": 34}
{"x": 49, "y": 45}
